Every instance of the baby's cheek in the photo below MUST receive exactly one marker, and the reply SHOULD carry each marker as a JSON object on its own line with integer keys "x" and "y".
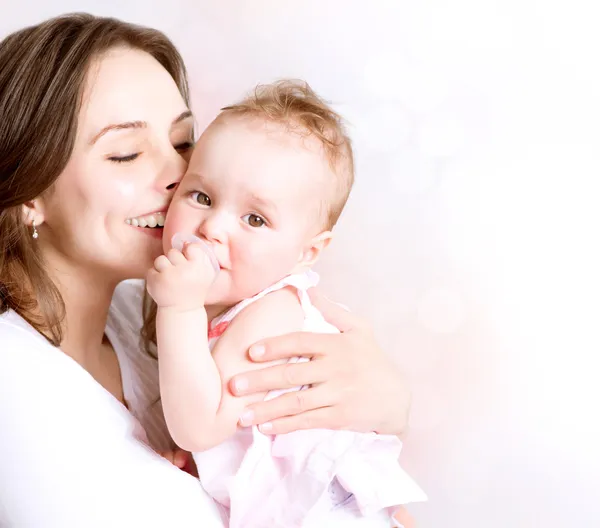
{"x": 174, "y": 223}
{"x": 254, "y": 270}
{"x": 279, "y": 262}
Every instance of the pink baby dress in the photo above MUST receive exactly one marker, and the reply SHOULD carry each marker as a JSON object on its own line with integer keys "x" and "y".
{"x": 308, "y": 478}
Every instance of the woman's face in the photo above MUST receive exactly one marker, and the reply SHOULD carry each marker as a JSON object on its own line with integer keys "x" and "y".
{"x": 132, "y": 146}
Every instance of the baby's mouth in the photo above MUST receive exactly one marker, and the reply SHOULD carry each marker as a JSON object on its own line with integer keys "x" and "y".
{"x": 149, "y": 220}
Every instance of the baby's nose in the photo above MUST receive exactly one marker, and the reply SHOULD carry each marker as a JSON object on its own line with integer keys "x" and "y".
{"x": 214, "y": 230}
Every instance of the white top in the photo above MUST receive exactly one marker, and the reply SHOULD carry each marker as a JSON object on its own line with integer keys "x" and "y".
{"x": 71, "y": 455}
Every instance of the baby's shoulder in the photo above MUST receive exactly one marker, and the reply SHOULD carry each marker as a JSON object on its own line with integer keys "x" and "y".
{"x": 280, "y": 307}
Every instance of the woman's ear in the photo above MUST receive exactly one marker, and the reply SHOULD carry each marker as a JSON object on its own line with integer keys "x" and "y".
{"x": 310, "y": 254}
{"x": 33, "y": 212}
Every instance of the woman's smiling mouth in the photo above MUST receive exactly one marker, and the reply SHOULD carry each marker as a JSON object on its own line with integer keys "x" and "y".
{"x": 148, "y": 220}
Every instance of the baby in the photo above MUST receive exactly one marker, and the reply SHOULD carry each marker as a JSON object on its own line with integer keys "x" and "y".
{"x": 267, "y": 182}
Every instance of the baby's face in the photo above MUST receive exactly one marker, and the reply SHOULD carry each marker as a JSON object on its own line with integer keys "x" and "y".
{"x": 254, "y": 192}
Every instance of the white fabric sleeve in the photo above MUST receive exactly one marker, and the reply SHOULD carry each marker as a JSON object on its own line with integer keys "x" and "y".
{"x": 68, "y": 457}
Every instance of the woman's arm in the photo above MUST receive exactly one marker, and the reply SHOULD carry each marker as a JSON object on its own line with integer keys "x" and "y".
{"x": 69, "y": 458}
{"x": 354, "y": 384}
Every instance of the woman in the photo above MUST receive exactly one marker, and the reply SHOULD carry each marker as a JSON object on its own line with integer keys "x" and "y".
{"x": 95, "y": 130}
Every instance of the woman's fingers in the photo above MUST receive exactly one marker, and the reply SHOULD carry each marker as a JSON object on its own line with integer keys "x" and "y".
{"x": 322, "y": 418}
{"x": 177, "y": 457}
{"x": 286, "y": 376}
{"x": 289, "y": 404}
{"x": 403, "y": 519}
{"x": 304, "y": 344}
{"x": 180, "y": 458}
{"x": 167, "y": 455}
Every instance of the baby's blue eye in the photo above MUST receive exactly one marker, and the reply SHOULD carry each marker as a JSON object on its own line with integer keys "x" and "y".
{"x": 254, "y": 220}
{"x": 201, "y": 198}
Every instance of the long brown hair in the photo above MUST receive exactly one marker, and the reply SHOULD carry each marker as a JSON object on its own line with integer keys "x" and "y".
{"x": 42, "y": 73}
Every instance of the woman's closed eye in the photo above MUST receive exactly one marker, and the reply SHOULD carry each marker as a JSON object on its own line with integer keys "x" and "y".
{"x": 184, "y": 146}
{"x": 125, "y": 158}
{"x": 254, "y": 220}
{"x": 181, "y": 147}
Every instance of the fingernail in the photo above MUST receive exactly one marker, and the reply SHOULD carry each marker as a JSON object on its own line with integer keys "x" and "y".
{"x": 247, "y": 417}
{"x": 266, "y": 427}
{"x": 257, "y": 351}
{"x": 240, "y": 384}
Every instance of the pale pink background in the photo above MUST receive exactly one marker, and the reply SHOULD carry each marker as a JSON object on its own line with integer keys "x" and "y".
{"x": 471, "y": 236}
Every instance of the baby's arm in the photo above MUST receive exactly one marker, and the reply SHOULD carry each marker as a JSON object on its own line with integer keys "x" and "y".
{"x": 190, "y": 384}
{"x": 199, "y": 409}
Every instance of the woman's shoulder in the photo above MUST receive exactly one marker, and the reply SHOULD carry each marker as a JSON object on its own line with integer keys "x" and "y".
{"x": 17, "y": 335}
{"x": 126, "y": 305}
{"x": 39, "y": 375}
{"x": 139, "y": 370}
{"x": 126, "y": 318}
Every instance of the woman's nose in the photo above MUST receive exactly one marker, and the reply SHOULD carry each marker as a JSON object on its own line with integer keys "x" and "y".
{"x": 172, "y": 172}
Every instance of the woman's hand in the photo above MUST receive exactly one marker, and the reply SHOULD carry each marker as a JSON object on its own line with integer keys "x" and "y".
{"x": 181, "y": 459}
{"x": 354, "y": 385}
{"x": 402, "y": 518}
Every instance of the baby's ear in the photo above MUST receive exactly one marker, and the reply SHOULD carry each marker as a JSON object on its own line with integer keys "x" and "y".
{"x": 310, "y": 254}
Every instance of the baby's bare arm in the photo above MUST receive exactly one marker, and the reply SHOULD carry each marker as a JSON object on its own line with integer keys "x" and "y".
{"x": 199, "y": 410}
{"x": 190, "y": 384}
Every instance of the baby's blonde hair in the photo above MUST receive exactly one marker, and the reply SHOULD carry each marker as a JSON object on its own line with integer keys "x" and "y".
{"x": 294, "y": 104}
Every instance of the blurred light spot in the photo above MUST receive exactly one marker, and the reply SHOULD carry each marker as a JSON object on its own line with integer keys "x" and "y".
{"x": 441, "y": 311}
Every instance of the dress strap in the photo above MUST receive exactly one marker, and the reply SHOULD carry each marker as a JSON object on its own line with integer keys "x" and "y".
{"x": 302, "y": 282}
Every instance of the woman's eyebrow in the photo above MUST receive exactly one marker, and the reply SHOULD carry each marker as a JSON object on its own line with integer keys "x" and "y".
{"x": 182, "y": 116}
{"x": 118, "y": 126}
{"x": 136, "y": 124}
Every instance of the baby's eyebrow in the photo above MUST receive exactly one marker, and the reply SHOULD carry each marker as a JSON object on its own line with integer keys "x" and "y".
{"x": 262, "y": 202}
{"x": 192, "y": 175}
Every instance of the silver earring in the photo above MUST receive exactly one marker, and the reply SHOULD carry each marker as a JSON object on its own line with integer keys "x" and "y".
{"x": 35, "y": 233}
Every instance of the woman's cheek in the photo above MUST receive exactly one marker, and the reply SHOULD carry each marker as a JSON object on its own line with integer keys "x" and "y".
{"x": 125, "y": 189}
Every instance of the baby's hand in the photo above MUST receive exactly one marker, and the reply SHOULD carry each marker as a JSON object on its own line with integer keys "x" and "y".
{"x": 181, "y": 279}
